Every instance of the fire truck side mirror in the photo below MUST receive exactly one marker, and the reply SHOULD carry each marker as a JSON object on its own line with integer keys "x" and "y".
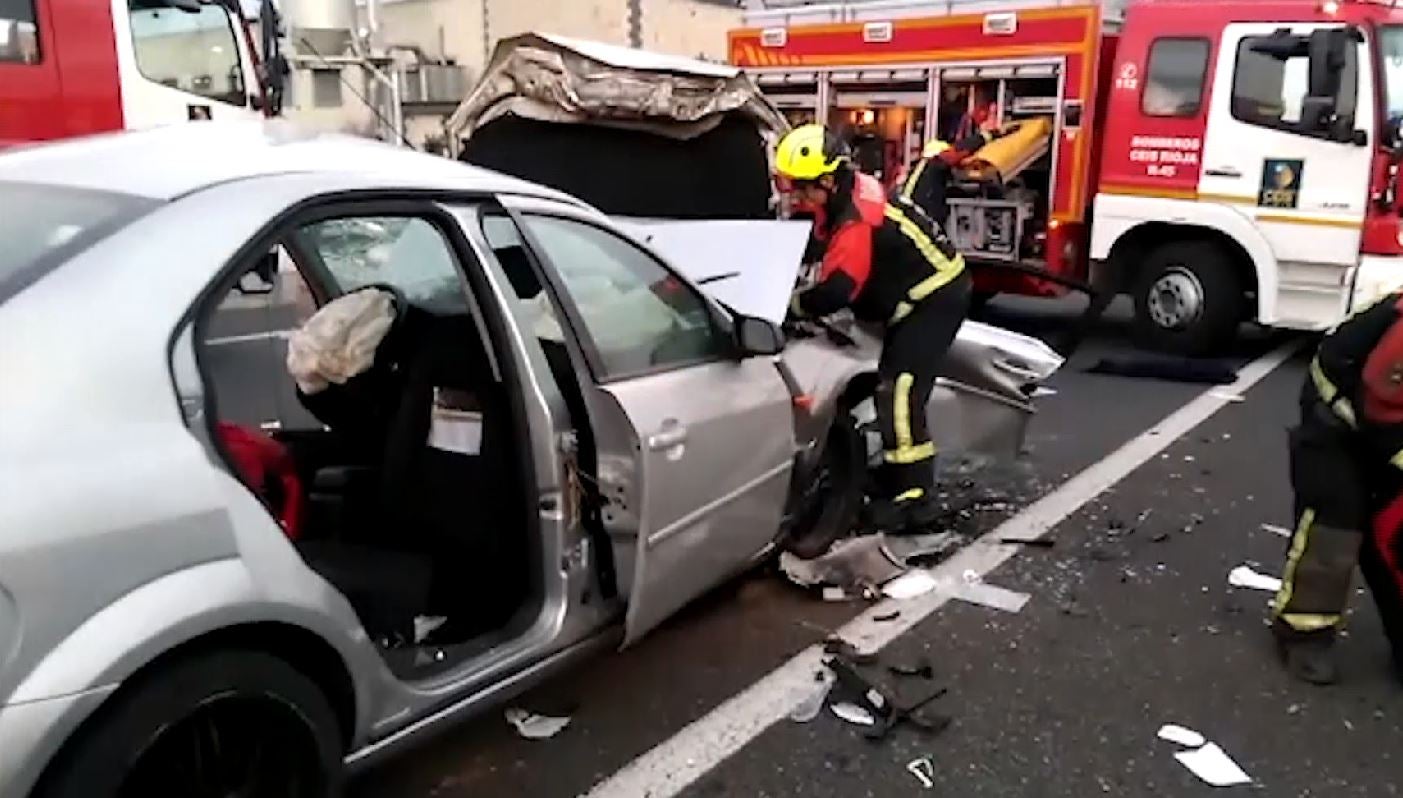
{"x": 1329, "y": 55}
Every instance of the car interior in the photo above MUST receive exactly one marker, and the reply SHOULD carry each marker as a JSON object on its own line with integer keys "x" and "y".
{"x": 404, "y": 484}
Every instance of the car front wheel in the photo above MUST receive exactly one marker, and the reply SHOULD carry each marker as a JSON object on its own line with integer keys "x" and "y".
{"x": 229, "y": 723}
{"x": 827, "y": 505}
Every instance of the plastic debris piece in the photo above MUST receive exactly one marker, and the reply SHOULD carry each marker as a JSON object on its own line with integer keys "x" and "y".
{"x": 1043, "y": 390}
{"x": 535, "y": 727}
{"x": 854, "y": 714}
{"x": 424, "y": 625}
{"x": 1227, "y": 396}
{"x": 1213, "y": 765}
{"x": 1276, "y": 530}
{"x": 1244, "y": 576}
{"x": 835, "y": 594}
{"x": 838, "y": 647}
{"x": 909, "y": 585}
{"x": 887, "y": 616}
{"x": 1035, "y": 543}
{"x": 920, "y": 668}
{"x": 924, "y": 771}
{"x": 971, "y": 577}
{"x": 812, "y": 703}
{"x": 1178, "y": 734}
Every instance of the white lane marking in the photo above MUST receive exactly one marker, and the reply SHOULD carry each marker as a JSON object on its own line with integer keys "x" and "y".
{"x": 677, "y": 762}
{"x": 249, "y": 338}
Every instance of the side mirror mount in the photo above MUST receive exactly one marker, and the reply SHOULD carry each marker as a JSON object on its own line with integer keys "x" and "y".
{"x": 757, "y": 337}
{"x": 1393, "y": 133}
{"x": 1328, "y": 50}
{"x": 274, "y": 68}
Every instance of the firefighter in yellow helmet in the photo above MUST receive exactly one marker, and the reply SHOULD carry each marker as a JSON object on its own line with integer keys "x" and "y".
{"x": 928, "y": 182}
{"x": 891, "y": 265}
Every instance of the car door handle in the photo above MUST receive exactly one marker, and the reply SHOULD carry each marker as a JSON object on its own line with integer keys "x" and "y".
{"x": 1225, "y": 171}
{"x": 670, "y": 437}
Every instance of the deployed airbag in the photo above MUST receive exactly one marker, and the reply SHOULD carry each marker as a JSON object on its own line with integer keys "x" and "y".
{"x": 340, "y": 340}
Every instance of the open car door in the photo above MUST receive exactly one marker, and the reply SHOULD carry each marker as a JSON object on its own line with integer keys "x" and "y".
{"x": 694, "y": 445}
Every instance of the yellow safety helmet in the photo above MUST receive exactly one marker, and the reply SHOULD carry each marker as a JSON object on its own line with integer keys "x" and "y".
{"x": 808, "y": 152}
{"x": 934, "y": 147}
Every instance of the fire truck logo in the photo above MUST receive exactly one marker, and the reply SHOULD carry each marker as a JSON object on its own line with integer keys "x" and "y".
{"x": 1281, "y": 183}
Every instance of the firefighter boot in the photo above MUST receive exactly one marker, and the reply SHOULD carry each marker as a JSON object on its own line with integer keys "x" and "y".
{"x": 1310, "y": 656}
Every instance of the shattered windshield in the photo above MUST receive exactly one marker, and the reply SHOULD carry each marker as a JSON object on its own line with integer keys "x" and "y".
{"x": 44, "y": 225}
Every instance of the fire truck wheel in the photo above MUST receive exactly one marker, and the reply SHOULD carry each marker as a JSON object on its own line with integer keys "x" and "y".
{"x": 1188, "y": 299}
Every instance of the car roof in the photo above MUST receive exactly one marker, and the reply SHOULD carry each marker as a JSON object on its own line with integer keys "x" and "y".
{"x": 168, "y": 162}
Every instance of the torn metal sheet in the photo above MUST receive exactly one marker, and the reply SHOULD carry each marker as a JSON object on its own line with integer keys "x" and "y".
{"x": 535, "y": 727}
{"x": 1244, "y": 576}
{"x": 1213, "y": 765}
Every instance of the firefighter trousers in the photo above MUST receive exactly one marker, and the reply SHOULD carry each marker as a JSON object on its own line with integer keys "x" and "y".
{"x": 1329, "y": 479}
{"x": 913, "y": 350}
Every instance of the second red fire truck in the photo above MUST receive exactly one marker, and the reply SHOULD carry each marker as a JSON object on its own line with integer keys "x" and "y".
{"x": 1221, "y": 162}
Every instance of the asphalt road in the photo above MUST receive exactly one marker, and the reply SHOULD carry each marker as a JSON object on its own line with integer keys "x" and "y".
{"x": 1127, "y": 626}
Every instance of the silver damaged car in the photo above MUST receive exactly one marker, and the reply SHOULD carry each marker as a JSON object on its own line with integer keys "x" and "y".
{"x": 215, "y": 580}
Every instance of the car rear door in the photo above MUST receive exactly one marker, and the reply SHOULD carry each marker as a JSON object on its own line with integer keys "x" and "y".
{"x": 695, "y": 446}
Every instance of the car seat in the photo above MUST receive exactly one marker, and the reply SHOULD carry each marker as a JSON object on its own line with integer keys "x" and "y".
{"x": 266, "y": 467}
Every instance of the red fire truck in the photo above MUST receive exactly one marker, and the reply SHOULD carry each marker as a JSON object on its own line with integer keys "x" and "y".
{"x": 1220, "y": 161}
{"x": 71, "y": 67}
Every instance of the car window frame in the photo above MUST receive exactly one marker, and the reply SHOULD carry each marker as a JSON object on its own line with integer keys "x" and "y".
{"x": 1202, "y": 75}
{"x": 720, "y": 322}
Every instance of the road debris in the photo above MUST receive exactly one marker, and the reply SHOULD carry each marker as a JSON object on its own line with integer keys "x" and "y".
{"x": 852, "y": 713}
{"x": 812, "y": 703}
{"x": 1033, "y": 543}
{"x": 1043, "y": 390}
{"x": 1206, "y": 760}
{"x": 1178, "y": 734}
{"x": 887, "y": 616}
{"x": 1176, "y": 369}
{"x": 924, "y": 771}
{"x": 1276, "y": 530}
{"x": 535, "y": 727}
{"x": 838, "y": 647}
{"x": 1244, "y": 576}
{"x": 1227, "y": 396}
{"x": 910, "y": 585}
{"x": 856, "y": 690}
{"x": 920, "y": 669}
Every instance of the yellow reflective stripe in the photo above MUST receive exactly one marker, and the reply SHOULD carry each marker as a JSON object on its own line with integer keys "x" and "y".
{"x": 1397, "y": 459}
{"x": 1330, "y": 395}
{"x": 1308, "y": 622}
{"x": 903, "y": 309}
{"x": 910, "y": 495}
{"x": 910, "y": 185}
{"x": 1293, "y": 557}
{"x": 901, "y": 410}
{"x": 910, "y": 454}
{"x": 946, "y": 269}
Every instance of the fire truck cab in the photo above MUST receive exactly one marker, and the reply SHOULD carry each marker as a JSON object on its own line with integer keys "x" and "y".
{"x": 73, "y": 67}
{"x": 1221, "y": 162}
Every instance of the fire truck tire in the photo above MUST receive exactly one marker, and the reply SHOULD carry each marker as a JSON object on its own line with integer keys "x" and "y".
{"x": 1188, "y": 299}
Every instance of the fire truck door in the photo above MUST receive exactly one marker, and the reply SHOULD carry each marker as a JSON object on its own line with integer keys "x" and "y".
{"x": 1305, "y": 191}
{"x": 179, "y": 65}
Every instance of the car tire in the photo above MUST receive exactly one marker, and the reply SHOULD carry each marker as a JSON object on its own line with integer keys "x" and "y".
{"x": 161, "y": 729}
{"x": 839, "y": 480}
{"x": 1188, "y": 299}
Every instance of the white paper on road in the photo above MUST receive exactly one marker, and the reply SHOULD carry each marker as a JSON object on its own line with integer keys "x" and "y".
{"x": 992, "y": 596}
{"x": 1214, "y": 766}
{"x": 1178, "y": 734}
{"x": 1244, "y": 576}
{"x": 749, "y": 265}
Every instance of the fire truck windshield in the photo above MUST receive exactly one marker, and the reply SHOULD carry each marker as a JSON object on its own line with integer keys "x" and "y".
{"x": 1391, "y": 64}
